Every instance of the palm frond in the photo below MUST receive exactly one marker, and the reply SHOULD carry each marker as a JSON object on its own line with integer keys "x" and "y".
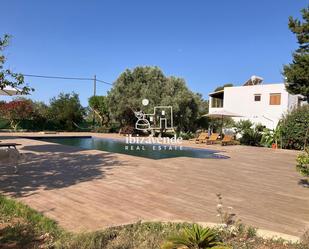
{"x": 195, "y": 237}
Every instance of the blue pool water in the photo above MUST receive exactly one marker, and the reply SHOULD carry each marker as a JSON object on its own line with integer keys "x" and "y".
{"x": 153, "y": 151}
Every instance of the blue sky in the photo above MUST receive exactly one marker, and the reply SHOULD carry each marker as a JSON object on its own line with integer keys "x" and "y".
{"x": 208, "y": 43}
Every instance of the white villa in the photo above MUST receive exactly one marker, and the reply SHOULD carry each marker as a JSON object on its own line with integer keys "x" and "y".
{"x": 258, "y": 102}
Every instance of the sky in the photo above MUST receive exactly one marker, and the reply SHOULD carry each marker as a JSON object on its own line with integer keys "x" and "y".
{"x": 207, "y": 43}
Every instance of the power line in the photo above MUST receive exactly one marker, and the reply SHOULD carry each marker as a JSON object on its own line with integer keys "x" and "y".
{"x": 64, "y": 78}
{"x": 95, "y": 80}
{"x": 55, "y": 77}
{"x": 102, "y": 81}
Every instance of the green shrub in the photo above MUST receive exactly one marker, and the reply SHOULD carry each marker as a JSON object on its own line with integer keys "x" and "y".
{"x": 186, "y": 135}
{"x": 195, "y": 237}
{"x": 65, "y": 110}
{"x": 114, "y": 127}
{"x": 267, "y": 138}
{"x": 295, "y": 128}
{"x": 302, "y": 165}
{"x": 251, "y": 232}
{"x": 271, "y": 136}
{"x": 4, "y": 124}
{"x": 250, "y": 134}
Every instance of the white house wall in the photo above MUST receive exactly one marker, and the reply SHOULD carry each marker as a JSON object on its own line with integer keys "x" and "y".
{"x": 240, "y": 100}
{"x": 294, "y": 101}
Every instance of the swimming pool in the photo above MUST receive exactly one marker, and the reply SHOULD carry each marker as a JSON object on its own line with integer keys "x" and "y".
{"x": 153, "y": 151}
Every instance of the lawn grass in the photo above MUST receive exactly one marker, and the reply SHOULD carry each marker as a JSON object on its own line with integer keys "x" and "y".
{"x": 23, "y": 227}
{"x": 10, "y": 208}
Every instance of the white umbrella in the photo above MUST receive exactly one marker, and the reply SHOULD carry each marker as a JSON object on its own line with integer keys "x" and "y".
{"x": 221, "y": 114}
{"x": 9, "y": 91}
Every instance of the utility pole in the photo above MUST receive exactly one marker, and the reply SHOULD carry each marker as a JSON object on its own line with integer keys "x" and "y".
{"x": 94, "y": 85}
{"x": 94, "y": 94}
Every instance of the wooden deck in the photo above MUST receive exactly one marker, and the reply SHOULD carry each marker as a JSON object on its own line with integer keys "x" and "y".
{"x": 89, "y": 190}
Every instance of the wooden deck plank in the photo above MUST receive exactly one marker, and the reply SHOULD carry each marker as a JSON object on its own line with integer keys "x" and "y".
{"x": 89, "y": 190}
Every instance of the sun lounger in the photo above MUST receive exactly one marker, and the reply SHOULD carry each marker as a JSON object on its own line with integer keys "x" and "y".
{"x": 213, "y": 138}
{"x": 228, "y": 140}
{"x": 9, "y": 145}
{"x": 202, "y": 137}
{"x": 10, "y": 155}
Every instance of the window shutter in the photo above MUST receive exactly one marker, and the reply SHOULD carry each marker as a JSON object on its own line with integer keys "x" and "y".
{"x": 275, "y": 99}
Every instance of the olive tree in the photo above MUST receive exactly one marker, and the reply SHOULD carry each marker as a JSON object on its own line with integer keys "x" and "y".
{"x": 132, "y": 86}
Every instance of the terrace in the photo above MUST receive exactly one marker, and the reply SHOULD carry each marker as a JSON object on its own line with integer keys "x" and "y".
{"x": 216, "y": 99}
{"x": 91, "y": 189}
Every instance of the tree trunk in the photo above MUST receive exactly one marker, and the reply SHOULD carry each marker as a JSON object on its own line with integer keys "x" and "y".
{"x": 14, "y": 124}
{"x": 98, "y": 114}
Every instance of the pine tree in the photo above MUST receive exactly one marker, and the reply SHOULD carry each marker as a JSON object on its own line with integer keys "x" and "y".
{"x": 297, "y": 72}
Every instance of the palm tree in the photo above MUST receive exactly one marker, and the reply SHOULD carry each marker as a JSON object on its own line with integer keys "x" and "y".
{"x": 195, "y": 237}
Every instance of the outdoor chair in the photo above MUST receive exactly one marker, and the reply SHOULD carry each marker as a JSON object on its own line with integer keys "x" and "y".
{"x": 9, "y": 145}
{"x": 213, "y": 138}
{"x": 202, "y": 137}
{"x": 10, "y": 156}
{"x": 228, "y": 140}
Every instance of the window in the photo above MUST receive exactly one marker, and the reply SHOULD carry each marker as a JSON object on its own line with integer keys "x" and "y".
{"x": 216, "y": 102}
{"x": 257, "y": 97}
{"x": 275, "y": 99}
{"x": 300, "y": 101}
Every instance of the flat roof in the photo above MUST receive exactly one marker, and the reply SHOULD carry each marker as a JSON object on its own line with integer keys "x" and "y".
{"x": 260, "y": 85}
{"x": 220, "y": 91}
